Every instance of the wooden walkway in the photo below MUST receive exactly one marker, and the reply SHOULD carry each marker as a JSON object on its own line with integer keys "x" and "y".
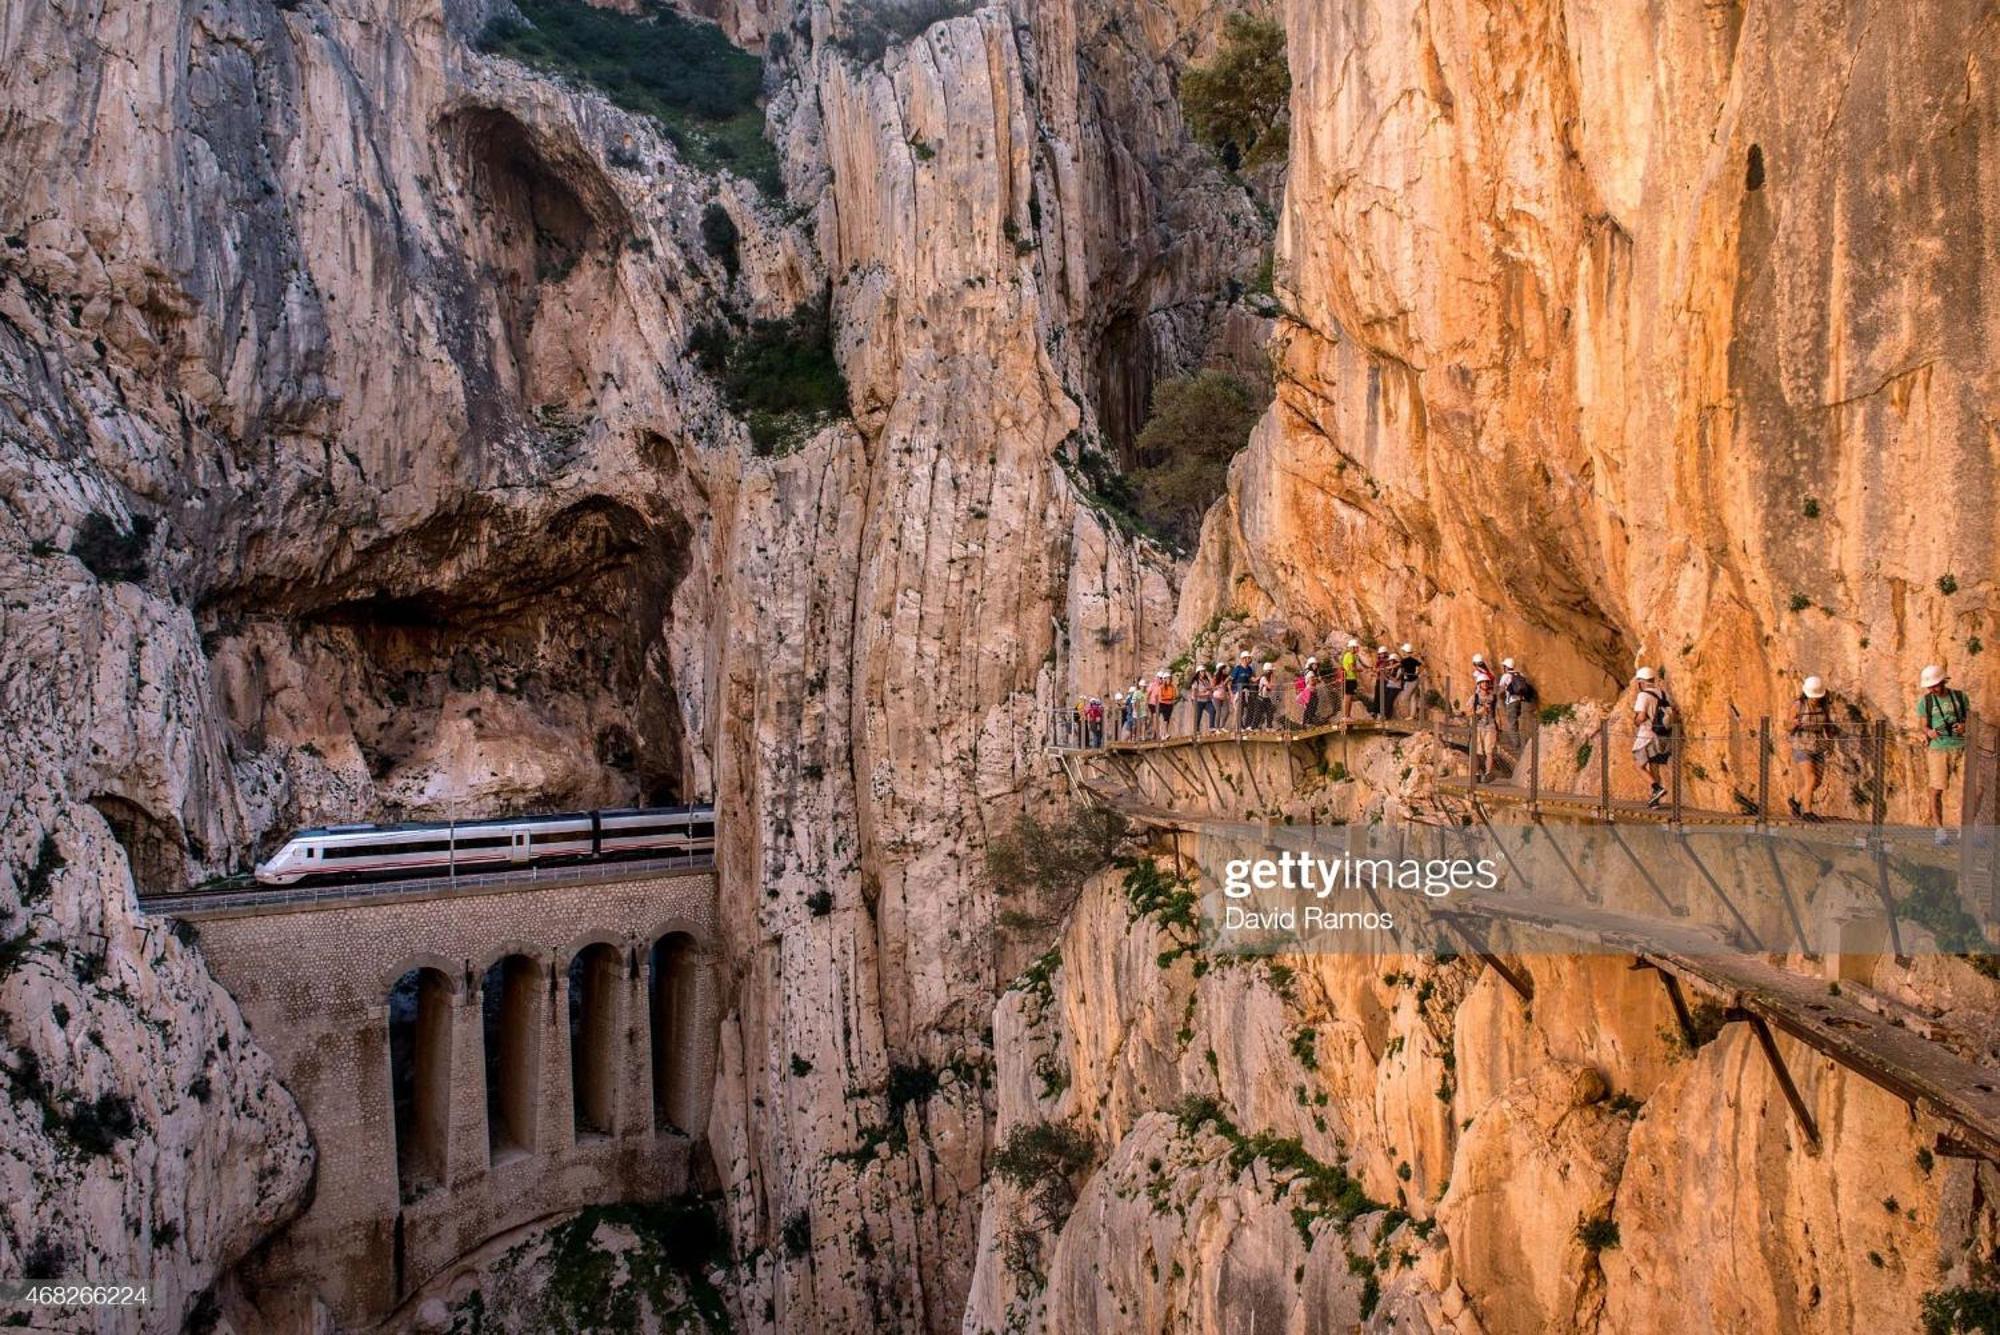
{"x": 1264, "y": 736}
{"x": 1956, "y": 1100}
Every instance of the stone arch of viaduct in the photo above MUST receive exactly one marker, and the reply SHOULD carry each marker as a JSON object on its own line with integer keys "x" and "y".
{"x": 472, "y": 1062}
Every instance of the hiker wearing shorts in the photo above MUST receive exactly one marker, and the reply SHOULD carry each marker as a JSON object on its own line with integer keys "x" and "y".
{"x": 1944, "y": 713}
{"x": 1169, "y": 696}
{"x": 1652, "y": 726}
{"x": 1811, "y": 733}
{"x": 1350, "y": 679}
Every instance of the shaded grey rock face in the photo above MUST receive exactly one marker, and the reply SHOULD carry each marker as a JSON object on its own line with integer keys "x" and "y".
{"x": 355, "y": 467}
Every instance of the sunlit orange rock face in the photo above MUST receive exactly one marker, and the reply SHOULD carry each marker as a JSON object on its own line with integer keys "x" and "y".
{"x": 1622, "y": 332}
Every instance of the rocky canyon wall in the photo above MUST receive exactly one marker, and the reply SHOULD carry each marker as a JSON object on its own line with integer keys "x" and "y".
{"x": 1617, "y": 332}
{"x": 356, "y": 466}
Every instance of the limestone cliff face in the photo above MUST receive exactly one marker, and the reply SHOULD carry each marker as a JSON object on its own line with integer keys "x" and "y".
{"x": 1617, "y": 332}
{"x": 1333, "y": 1142}
{"x": 354, "y": 467}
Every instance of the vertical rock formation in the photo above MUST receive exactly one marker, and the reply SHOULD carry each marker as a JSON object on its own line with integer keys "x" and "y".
{"x": 356, "y": 466}
{"x": 1615, "y": 334}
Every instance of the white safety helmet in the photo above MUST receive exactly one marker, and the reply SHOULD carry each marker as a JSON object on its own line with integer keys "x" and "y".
{"x": 1479, "y": 659}
{"x": 1312, "y": 662}
{"x": 1643, "y": 674}
{"x": 1813, "y": 689}
{"x": 1244, "y": 654}
{"x": 1354, "y": 644}
{"x": 1269, "y": 666}
{"x": 1381, "y": 648}
{"x": 1933, "y": 676}
{"x": 1161, "y": 674}
{"x": 1406, "y": 649}
{"x": 1507, "y": 663}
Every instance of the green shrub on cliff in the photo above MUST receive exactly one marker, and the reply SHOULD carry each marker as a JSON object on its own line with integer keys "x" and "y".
{"x": 682, "y": 73}
{"x": 1241, "y": 104}
{"x": 779, "y": 376}
{"x": 1198, "y": 425}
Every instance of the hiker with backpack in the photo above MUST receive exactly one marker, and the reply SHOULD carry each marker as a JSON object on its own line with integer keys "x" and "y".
{"x": 1517, "y": 696}
{"x": 1811, "y": 733}
{"x": 1652, "y": 727}
{"x": 1304, "y": 687}
{"x": 1384, "y": 668}
{"x": 1267, "y": 696}
{"x": 1944, "y": 712}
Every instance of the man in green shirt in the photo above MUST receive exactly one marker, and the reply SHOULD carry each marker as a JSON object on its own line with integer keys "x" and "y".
{"x": 1944, "y": 712}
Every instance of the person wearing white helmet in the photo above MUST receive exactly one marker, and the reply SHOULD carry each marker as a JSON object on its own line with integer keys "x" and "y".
{"x": 1241, "y": 679}
{"x": 1812, "y": 732}
{"x": 1306, "y": 688}
{"x": 1517, "y": 696}
{"x": 1202, "y": 691}
{"x": 1409, "y": 668}
{"x": 1944, "y": 712}
{"x": 1382, "y": 669}
{"x": 1652, "y": 726}
{"x": 1481, "y": 672}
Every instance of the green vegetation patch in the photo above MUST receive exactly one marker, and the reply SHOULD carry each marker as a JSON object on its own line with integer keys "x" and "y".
{"x": 877, "y": 25}
{"x": 1318, "y": 1189}
{"x": 1039, "y": 867}
{"x": 1240, "y": 105}
{"x": 592, "y": 1288}
{"x": 1198, "y": 424}
{"x": 779, "y": 376}
{"x": 684, "y": 74}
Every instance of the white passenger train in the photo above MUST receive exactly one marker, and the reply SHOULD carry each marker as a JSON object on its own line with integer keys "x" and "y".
{"x": 388, "y": 852}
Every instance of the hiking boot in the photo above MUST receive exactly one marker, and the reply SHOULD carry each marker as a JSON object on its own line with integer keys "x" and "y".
{"x": 1659, "y": 796}
{"x": 1798, "y": 812}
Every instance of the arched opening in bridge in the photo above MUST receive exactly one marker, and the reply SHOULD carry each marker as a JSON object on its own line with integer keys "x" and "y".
{"x": 596, "y": 977}
{"x": 673, "y": 985}
{"x": 511, "y": 1006}
{"x": 420, "y": 1077}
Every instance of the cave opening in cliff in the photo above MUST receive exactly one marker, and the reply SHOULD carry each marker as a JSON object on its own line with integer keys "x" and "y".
{"x": 153, "y": 848}
{"x": 511, "y": 1014}
{"x": 596, "y": 980}
{"x": 420, "y": 1015}
{"x": 673, "y": 988}
{"x": 533, "y": 672}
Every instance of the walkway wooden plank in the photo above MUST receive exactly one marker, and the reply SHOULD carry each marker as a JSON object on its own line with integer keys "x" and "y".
{"x": 1958, "y": 1099}
{"x": 1927, "y": 1075}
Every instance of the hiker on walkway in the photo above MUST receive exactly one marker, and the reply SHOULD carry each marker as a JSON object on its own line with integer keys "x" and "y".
{"x": 1485, "y": 724}
{"x": 1241, "y": 679}
{"x": 1481, "y": 672}
{"x": 1652, "y": 726}
{"x": 1267, "y": 696}
{"x": 1350, "y": 679}
{"x": 1304, "y": 688}
{"x": 1383, "y": 669}
{"x": 1517, "y": 695}
{"x": 1218, "y": 696}
{"x": 1135, "y": 711}
{"x": 1202, "y": 689}
{"x": 1944, "y": 712}
{"x": 1409, "y": 668}
{"x": 1093, "y": 723}
{"x": 1169, "y": 697}
{"x": 1812, "y": 732}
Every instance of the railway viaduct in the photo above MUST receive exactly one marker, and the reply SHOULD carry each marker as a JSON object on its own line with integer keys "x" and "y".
{"x": 470, "y": 1057}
